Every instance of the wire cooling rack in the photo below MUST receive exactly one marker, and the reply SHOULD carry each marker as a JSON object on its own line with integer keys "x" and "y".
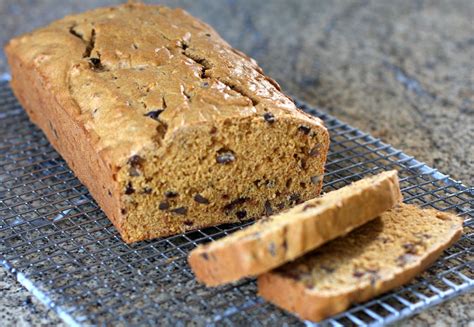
{"x": 61, "y": 247}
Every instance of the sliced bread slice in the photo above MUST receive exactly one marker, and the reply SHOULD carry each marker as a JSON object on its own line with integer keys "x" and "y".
{"x": 275, "y": 240}
{"x": 383, "y": 254}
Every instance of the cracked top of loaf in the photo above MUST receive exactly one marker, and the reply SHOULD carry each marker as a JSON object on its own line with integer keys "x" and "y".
{"x": 135, "y": 74}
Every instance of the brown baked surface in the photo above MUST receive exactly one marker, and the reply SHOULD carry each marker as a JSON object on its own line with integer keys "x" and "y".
{"x": 381, "y": 255}
{"x": 169, "y": 127}
{"x": 278, "y": 239}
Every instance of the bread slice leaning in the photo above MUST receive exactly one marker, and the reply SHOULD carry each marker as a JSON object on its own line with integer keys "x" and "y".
{"x": 277, "y": 239}
{"x": 383, "y": 254}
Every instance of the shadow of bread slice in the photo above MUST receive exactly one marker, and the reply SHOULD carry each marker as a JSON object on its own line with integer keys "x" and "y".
{"x": 277, "y": 239}
{"x": 381, "y": 255}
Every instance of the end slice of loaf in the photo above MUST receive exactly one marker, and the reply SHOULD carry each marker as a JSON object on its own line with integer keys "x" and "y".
{"x": 277, "y": 239}
{"x": 383, "y": 254}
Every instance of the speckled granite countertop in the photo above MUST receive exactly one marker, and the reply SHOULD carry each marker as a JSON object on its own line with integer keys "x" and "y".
{"x": 402, "y": 70}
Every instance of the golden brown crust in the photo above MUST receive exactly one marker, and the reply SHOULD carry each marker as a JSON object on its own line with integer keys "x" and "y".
{"x": 149, "y": 101}
{"x": 111, "y": 61}
{"x": 66, "y": 135}
{"x": 288, "y": 287}
{"x": 278, "y": 239}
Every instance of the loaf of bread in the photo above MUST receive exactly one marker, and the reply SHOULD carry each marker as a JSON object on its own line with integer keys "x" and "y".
{"x": 277, "y": 239}
{"x": 381, "y": 255}
{"x": 169, "y": 127}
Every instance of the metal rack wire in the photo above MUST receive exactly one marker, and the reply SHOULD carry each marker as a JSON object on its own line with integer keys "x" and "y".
{"x": 60, "y": 246}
